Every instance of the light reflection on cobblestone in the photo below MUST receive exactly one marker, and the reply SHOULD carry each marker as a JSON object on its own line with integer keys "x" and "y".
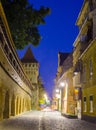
{"x": 36, "y": 120}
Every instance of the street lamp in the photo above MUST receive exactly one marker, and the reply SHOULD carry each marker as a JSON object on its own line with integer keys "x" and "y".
{"x": 57, "y": 95}
{"x": 62, "y": 84}
{"x": 57, "y": 90}
{"x": 45, "y": 96}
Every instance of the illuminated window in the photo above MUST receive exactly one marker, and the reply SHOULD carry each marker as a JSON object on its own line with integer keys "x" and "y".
{"x": 85, "y": 105}
{"x": 91, "y": 103}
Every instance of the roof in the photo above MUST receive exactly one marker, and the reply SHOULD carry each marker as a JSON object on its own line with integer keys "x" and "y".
{"x": 29, "y": 57}
{"x": 62, "y": 57}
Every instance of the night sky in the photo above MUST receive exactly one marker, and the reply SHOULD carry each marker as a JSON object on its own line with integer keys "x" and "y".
{"x": 58, "y": 34}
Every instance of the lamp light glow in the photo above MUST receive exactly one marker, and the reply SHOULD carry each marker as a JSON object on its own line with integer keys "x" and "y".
{"x": 57, "y": 95}
{"x": 57, "y": 90}
{"x": 62, "y": 84}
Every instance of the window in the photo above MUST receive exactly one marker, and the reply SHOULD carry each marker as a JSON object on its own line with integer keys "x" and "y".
{"x": 91, "y": 103}
{"x": 29, "y": 65}
{"x": 1, "y": 37}
{"x": 10, "y": 56}
{"x": 25, "y": 65}
{"x": 83, "y": 38}
{"x": 14, "y": 63}
{"x": 85, "y": 105}
{"x": 6, "y": 48}
{"x": 33, "y": 65}
{"x": 91, "y": 69}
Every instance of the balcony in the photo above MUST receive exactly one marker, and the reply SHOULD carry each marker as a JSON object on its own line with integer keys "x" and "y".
{"x": 86, "y": 39}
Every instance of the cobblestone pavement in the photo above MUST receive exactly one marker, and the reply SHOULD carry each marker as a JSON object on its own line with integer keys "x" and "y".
{"x": 42, "y": 120}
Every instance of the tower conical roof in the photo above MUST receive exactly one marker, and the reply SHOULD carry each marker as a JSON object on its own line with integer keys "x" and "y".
{"x": 29, "y": 57}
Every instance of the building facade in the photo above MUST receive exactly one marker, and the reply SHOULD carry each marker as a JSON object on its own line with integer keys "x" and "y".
{"x": 83, "y": 61}
{"x": 89, "y": 82}
{"x": 56, "y": 92}
{"x": 15, "y": 88}
{"x": 64, "y": 85}
{"x": 67, "y": 97}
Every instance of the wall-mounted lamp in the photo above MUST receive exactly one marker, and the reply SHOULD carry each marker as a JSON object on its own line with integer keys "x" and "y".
{"x": 57, "y": 90}
{"x": 62, "y": 84}
{"x": 57, "y": 95}
{"x": 76, "y": 71}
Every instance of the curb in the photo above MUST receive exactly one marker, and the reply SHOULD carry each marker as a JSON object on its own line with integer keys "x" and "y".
{"x": 69, "y": 116}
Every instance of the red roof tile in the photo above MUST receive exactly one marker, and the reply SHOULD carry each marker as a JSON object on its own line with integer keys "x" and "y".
{"x": 29, "y": 57}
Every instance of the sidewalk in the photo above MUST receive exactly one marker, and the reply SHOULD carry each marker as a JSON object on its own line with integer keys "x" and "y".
{"x": 69, "y": 116}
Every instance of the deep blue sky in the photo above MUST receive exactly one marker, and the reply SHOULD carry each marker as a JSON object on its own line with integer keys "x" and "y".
{"x": 58, "y": 34}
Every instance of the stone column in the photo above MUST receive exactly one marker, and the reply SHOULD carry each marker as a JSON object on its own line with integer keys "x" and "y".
{"x": 24, "y": 105}
{"x": 10, "y": 104}
{"x": 16, "y": 105}
{"x": 13, "y": 105}
{"x": 2, "y": 102}
{"x": 29, "y": 104}
{"x": 7, "y": 110}
{"x": 21, "y": 105}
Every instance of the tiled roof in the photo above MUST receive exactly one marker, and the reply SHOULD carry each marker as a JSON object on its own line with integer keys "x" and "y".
{"x": 29, "y": 57}
{"x": 63, "y": 56}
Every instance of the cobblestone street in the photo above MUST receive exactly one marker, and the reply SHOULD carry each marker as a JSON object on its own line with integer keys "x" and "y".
{"x": 36, "y": 120}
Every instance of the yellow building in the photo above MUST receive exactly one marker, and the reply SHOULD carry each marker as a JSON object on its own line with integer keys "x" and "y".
{"x": 68, "y": 103}
{"x": 15, "y": 88}
{"x": 61, "y": 57}
{"x": 31, "y": 67}
{"x": 56, "y": 93}
{"x": 83, "y": 59}
{"x": 88, "y": 81}
{"x": 64, "y": 83}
